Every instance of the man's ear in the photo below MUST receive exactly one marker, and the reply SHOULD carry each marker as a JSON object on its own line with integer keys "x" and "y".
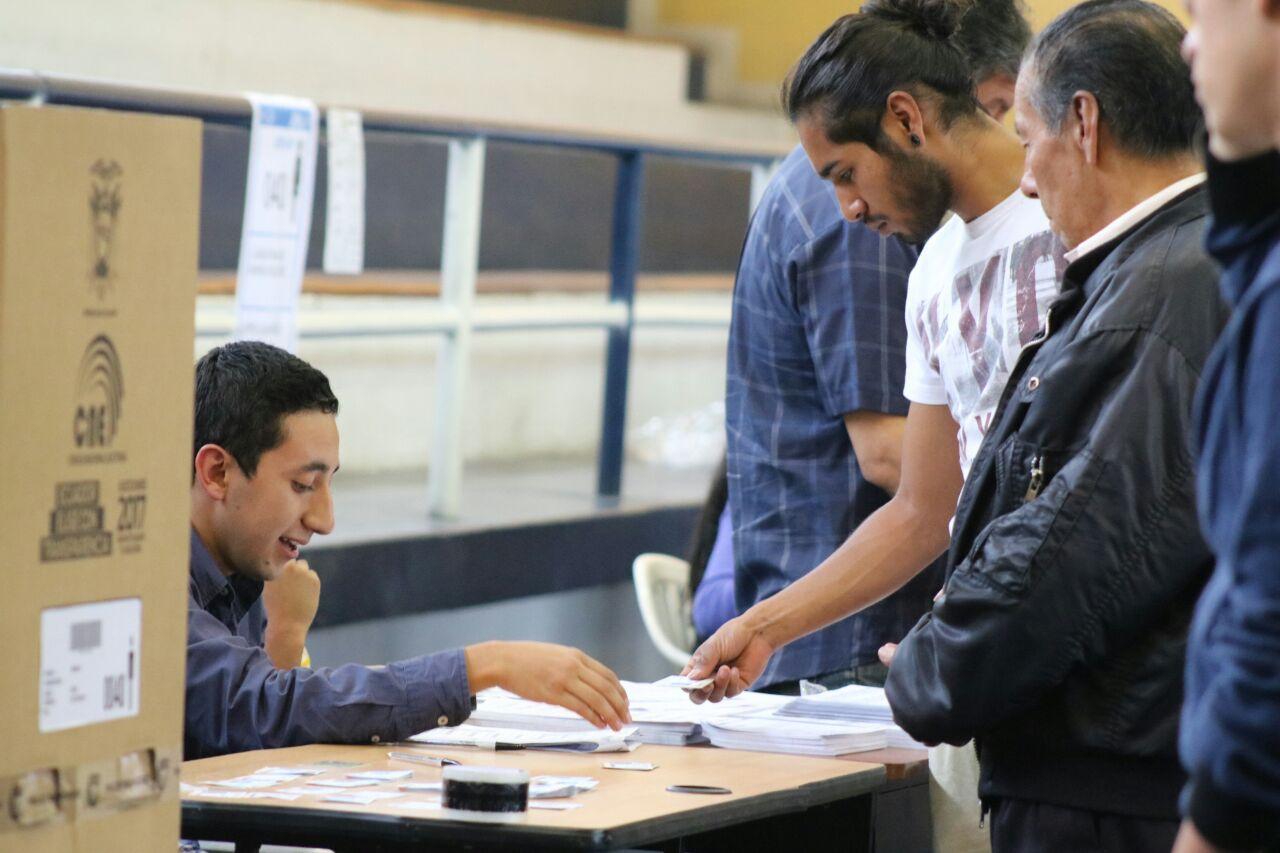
{"x": 1083, "y": 125}
{"x": 213, "y": 470}
{"x": 903, "y": 120}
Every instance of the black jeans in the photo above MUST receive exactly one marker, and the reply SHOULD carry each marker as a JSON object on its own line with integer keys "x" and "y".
{"x": 870, "y": 674}
{"x": 1023, "y": 826}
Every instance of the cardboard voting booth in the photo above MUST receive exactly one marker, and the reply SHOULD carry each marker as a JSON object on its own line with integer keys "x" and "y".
{"x": 99, "y": 218}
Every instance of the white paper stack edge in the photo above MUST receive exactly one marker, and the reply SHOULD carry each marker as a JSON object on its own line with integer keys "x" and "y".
{"x": 853, "y": 704}
{"x": 771, "y": 733}
{"x": 661, "y": 715}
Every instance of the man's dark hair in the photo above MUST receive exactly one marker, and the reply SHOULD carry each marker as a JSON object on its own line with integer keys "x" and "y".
{"x": 845, "y": 77}
{"x": 244, "y": 391}
{"x": 1126, "y": 53}
{"x": 994, "y": 35}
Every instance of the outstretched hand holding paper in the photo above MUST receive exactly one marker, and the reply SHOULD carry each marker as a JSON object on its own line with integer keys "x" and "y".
{"x": 733, "y": 657}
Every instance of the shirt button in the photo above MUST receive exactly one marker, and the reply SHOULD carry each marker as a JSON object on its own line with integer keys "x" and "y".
{"x": 442, "y": 720}
{"x": 1033, "y": 383}
{"x": 375, "y": 739}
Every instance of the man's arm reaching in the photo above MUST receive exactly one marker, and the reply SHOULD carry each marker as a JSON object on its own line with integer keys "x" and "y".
{"x": 888, "y": 549}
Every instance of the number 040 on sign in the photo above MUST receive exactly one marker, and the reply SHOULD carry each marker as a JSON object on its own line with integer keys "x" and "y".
{"x": 89, "y": 663}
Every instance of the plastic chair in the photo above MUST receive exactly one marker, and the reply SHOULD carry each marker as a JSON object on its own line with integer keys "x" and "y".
{"x": 666, "y": 606}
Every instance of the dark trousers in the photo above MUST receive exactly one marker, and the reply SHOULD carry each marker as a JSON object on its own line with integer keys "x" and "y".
{"x": 1023, "y": 826}
{"x": 869, "y": 674}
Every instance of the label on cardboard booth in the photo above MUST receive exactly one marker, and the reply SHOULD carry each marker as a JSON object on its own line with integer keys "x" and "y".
{"x": 277, "y": 219}
{"x": 89, "y": 663}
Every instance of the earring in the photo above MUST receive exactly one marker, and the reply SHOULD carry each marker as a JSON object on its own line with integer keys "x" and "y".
{"x": 915, "y": 140}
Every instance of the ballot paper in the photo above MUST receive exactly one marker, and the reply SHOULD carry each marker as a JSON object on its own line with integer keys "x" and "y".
{"x": 556, "y": 787}
{"x": 540, "y": 787}
{"x": 296, "y": 770}
{"x": 382, "y": 775}
{"x": 748, "y": 702}
{"x": 484, "y": 737}
{"x": 341, "y": 783}
{"x": 257, "y": 780}
{"x": 684, "y": 682}
{"x": 308, "y": 791}
{"x": 661, "y": 714}
{"x": 436, "y": 787}
{"x": 664, "y": 714}
{"x": 241, "y": 795}
{"x": 769, "y": 733}
{"x": 360, "y": 798}
{"x": 855, "y": 703}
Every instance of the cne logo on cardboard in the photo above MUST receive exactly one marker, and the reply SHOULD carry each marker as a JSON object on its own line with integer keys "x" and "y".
{"x": 99, "y": 393}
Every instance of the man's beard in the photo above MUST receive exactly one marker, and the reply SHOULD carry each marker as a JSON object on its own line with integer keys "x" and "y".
{"x": 923, "y": 188}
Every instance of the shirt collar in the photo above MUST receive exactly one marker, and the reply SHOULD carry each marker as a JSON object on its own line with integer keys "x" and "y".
{"x": 210, "y": 582}
{"x": 1134, "y": 215}
{"x": 979, "y": 226}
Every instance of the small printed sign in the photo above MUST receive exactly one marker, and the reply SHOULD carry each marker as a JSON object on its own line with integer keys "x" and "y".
{"x": 344, "y": 195}
{"x": 90, "y": 663}
{"x": 277, "y": 219}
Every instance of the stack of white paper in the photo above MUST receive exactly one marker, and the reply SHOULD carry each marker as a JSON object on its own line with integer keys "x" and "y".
{"x": 661, "y": 715}
{"x": 770, "y": 733}
{"x": 855, "y": 703}
{"x": 483, "y": 737}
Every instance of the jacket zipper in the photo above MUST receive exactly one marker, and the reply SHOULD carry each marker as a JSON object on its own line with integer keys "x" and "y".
{"x": 1037, "y": 478}
{"x": 1037, "y": 462}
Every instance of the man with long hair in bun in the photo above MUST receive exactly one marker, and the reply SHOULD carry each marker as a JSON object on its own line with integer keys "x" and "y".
{"x": 886, "y": 108}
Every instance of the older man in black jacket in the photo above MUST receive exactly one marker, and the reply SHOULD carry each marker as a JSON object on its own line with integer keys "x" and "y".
{"x": 1059, "y": 639}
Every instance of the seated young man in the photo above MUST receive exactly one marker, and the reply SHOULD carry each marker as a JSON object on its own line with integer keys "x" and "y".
{"x": 265, "y": 452}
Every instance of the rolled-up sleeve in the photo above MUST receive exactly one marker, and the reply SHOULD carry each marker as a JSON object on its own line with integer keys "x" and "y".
{"x": 237, "y": 700}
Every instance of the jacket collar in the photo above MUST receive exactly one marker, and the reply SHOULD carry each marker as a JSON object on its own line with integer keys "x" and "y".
{"x": 1136, "y": 214}
{"x": 1186, "y": 205}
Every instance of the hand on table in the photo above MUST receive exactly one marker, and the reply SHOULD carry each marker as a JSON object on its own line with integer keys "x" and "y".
{"x": 735, "y": 656}
{"x": 559, "y": 675}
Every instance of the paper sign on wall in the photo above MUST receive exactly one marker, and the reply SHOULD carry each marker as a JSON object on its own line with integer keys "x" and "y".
{"x": 277, "y": 219}
{"x": 89, "y": 663}
{"x": 344, "y": 199}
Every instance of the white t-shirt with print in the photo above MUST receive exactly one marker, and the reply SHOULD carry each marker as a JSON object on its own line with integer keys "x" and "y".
{"x": 977, "y": 295}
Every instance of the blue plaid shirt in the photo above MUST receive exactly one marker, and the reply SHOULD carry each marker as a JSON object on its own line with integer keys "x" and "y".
{"x": 818, "y": 331}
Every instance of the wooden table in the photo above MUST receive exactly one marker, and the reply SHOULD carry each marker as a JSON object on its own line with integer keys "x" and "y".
{"x": 778, "y": 802}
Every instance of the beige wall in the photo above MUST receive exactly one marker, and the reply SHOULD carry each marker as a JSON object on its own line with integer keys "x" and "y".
{"x": 380, "y": 54}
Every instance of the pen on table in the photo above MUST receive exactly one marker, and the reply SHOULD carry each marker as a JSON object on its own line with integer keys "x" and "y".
{"x": 416, "y": 758}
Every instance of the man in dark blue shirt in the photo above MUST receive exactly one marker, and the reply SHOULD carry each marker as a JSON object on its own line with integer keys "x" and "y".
{"x": 1230, "y": 735}
{"x": 265, "y": 452}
